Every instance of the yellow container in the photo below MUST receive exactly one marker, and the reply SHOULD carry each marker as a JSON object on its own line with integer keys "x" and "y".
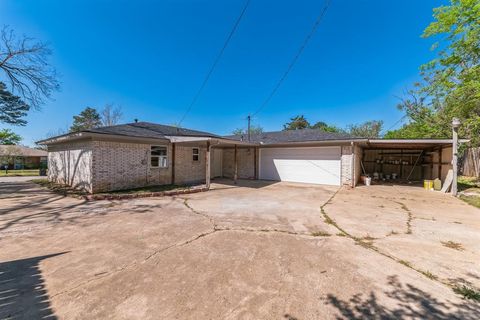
{"x": 428, "y": 184}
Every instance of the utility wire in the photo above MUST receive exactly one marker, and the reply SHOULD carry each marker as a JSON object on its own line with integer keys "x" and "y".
{"x": 295, "y": 58}
{"x": 393, "y": 125}
{"x": 217, "y": 59}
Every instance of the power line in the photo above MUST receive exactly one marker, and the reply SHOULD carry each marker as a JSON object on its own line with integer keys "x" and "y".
{"x": 217, "y": 59}
{"x": 295, "y": 58}
{"x": 393, "y": 125}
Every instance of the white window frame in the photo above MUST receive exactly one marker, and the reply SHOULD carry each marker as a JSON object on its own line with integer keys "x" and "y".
{"x": 162, "y": 159}
{"x": 196, "y": 154}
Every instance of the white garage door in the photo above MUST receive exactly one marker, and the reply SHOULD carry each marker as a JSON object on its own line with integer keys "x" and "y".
{"x": 320, "y": 165}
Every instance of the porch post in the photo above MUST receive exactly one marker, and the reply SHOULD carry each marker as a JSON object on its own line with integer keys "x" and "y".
{"x": 173, "y": 163}
{"x": 255, "y": 160}
{"x": 235, "y": 165}
{"x": 439, "y": 168}
{"x": 455, "y": 125}
{"x": 207, "y": 165}
{"x": 352, "y": 164}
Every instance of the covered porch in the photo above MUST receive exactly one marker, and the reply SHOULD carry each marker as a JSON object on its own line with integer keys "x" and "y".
{"x": 222, "y": 158}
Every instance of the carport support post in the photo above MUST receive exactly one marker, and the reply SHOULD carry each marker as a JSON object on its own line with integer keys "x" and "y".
{"x": 352, "y": 164}
{"x": 207, "y": 166}
{"x": 235, "y": 165}
{"x": 173, "y": 163}
{"x": 455, "y": 125}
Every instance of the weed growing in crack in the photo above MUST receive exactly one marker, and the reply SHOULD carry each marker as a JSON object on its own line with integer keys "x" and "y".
{"x": 320, "y": 234}
{"x": 467, "y": 293}
{"x": 328, "y": 220}
{"x": 405, "y": 263}
{"x": 453, "y": 245}
{"x": 341, "y": 234}
{"x": 365, "y": 244}
{"x": 429, "y": 275}
{"x": 409, "y": 219}
{"x": 368, "y": 238}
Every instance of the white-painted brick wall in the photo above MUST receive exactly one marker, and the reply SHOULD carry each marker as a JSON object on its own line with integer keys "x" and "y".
{"x": 71, "y": 164}
{"x": 346, "y": 161}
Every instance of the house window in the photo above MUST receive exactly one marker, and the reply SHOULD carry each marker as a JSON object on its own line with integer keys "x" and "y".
{"x": 195, "y": 154}
{"x": 158, "y": 157}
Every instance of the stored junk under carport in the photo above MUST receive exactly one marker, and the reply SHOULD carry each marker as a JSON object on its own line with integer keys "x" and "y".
{"x": 407, "y": 160}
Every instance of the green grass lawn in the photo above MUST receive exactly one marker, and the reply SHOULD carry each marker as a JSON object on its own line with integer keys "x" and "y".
{"x": 465, "y": 183}
{"x": 470, "y": 188}
{"x": 17, "y": 173}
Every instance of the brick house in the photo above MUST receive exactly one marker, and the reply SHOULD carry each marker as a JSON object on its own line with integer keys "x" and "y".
{"x": 144, "y": 154}
{"x": 16, "y": 157}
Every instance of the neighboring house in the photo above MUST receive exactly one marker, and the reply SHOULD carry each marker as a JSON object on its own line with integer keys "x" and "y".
{"x": 142, "y": 154}
{"x": 20, "y": 157}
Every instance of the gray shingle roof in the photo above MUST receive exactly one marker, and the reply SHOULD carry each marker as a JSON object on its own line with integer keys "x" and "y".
{"x": 150, "y": 130}
{"x": 16, "y": 150}
{"x": 303, "y": 135}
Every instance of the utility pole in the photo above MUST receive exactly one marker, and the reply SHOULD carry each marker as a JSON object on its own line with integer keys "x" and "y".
{"x": 455, "y": 126}
{"x": 249, "y": 118}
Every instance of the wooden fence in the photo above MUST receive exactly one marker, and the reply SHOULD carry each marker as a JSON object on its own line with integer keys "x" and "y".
{"x": 469, "y": 164}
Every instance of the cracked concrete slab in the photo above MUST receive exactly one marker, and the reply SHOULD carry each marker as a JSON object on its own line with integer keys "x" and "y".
{"x": 159, "y": 258}
{"x": 382, "y": 213}
{"x": 291, "y": 207}
{"x": 238, "y": 275}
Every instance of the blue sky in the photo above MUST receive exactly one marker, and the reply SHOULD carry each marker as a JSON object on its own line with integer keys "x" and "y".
{"x": 150, "y": 57}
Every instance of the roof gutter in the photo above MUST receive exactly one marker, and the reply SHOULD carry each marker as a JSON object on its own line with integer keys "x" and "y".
{"x": 408, "y": 141}
{"x": 180, "y": 139}
{"x": 322, "y": 142}
{"x": 99, "y": 136}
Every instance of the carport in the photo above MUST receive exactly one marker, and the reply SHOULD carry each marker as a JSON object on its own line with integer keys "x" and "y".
{"x": 406, "y": 161}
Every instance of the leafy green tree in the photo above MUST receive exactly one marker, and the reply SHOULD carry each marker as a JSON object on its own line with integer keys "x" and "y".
{"x": 319, "y": 125}
{"x": 89, "y": 118}
{"x": 9, "y": 137}
{"x": 253, "y": 130}
{"x": 368, "y": 129}
{"x": 450, "y": 85}
{"x": 12, "y": 108}
{"x": 296, "y": 123}
{"x": 326, "y": 127}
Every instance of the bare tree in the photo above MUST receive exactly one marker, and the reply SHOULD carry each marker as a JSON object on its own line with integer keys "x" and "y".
{"x": 25, "y": 64}
{"x": 111, "y": 115}
{"x": 51, "y": 134}
{"x": 57, "y": 132}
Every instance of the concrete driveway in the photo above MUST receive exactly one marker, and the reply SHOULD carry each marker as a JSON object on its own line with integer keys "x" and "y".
{"x": 251, "y": 251}
{"x": 434, "y": 233}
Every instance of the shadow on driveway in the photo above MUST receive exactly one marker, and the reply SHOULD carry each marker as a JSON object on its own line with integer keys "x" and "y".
{"x": 411, "y": 303}
{"x": 22, "y": 290}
